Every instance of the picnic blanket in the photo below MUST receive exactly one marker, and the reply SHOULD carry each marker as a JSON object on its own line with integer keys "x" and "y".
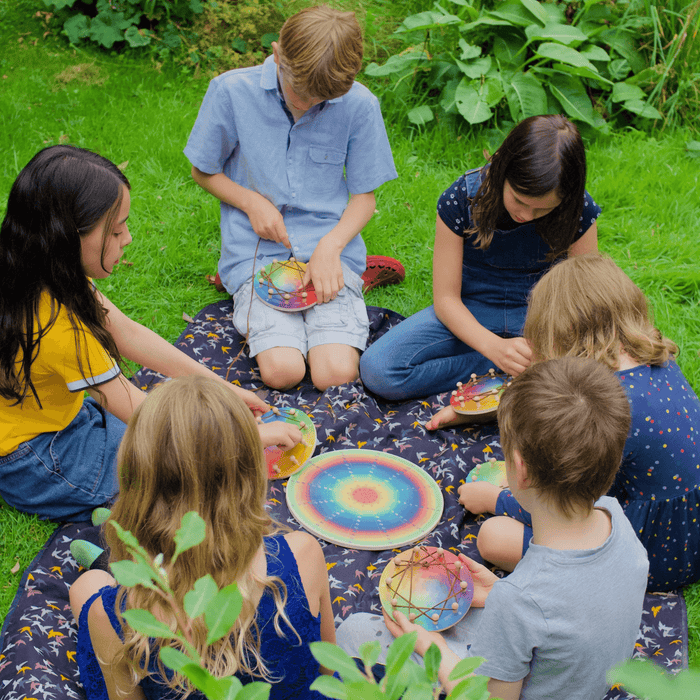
{"x": 37, "y": 649}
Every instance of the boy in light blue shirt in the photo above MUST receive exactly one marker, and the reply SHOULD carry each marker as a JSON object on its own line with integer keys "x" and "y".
{"x": 283, "y": 145}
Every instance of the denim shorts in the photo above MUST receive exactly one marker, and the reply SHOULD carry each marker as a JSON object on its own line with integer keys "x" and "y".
{"x": 65, "y": 475}
{"x": 343, "y": 320}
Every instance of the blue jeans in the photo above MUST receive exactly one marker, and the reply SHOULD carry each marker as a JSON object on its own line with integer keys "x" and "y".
{"x": 421, "y": 357}
{"x": 65, "y": 475}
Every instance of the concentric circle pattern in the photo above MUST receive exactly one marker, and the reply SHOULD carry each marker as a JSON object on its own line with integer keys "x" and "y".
{"x": 364, "y": 499}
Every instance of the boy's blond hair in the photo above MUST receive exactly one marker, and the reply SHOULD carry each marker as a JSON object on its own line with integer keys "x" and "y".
{"x": 321, "y": 51}
{"x": 569, "y": 419}
{"x": 586, "y": 306}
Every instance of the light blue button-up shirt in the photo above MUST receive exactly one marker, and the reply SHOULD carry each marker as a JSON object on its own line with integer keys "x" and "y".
{"x": 306, "y": 169}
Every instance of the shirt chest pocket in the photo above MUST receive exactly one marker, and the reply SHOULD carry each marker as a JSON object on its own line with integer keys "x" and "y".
{"x": 324, "y": 169}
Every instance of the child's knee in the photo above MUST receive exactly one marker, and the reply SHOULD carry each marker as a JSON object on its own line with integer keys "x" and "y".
{"x": 329, "y": 368}
{"x": 500, "y": 541}
{"x": 488, "y": 541}
{"x": 281, "y": 371}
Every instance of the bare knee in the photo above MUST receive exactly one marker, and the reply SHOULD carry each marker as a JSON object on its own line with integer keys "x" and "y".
{"x": 281, "y": 368}
{"x": 500, "y": 541}
{"x": 332, "y": 365}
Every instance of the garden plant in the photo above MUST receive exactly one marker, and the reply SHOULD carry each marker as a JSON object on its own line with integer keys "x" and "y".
{"x": 136, "y": 102}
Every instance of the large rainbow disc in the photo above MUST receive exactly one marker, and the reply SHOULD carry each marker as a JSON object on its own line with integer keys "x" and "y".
{"x": 430, "y": 586}
{"x": 364, "y": 499}
{"x": 283, "y": 463}
{"x": 480, "y": 396}
{"x": 279, "y": 285}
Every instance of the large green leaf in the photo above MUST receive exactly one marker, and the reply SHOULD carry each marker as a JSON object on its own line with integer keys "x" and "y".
{"x": 562, "y": 33}
{"x": 506, "y": 49}
{"x": 511, "y": 11}
{"x": 214, "y": 688}
{"x": 398, "y": 63}
{"x": 76, "y": 28}
{"x": 334, "y": 658}
{"x": 108, "y": 28}
{"x": 191, "y": 532}
{"x": 257, "y": 690}
{"x": 647, "y": 679}
{"x": 643, "y": 109}
{"x": 137, "y": 38}
{"x": 222, "y": 612}
{"x": 203, "y": 592}
{"x": 526, "y": 96}
{"x": 536, "y": 9}
{"x": 145, "y": 622}
{"x": 625, "y": 44}
{"x": 564, "y": 54}
{"x": 470, "y": 104}
{"x": 59, "y": 4}
{"x": 465, "y": 667}
{"x": 625, "y": 91}
{"x": 369, "y": 652}
{"x": 468, "y": 51}
{"x": 594, "y": 53}
{"x": 330, "y": 687}
{"x": 427, "y": 20}
{"x": 475, "y": 69}
{"x": 572, "y": 95}
{"x": 421, "y": 115}
{"x": 174, "y": 658}
{"x": 492, "y": 91}
{"x": 432, "y": 662}
{"x": 582, "y": 71}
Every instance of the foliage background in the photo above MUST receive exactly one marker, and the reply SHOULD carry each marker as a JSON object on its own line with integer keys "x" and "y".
{"x": 137, "y": 107}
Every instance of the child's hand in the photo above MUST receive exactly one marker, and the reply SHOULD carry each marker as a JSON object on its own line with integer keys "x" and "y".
{"x": 445, "y": 418}
{"x": 278, "y": 433}
{"x": 254, "y": 403}
{"x": 325, "y": 271}
{"x": 483, "y": 581}
{"x": 403, "y": 626}
{"x": 512, "y": 355}
{"x": 479, "y": 496}
{"x": 266, "y": 220}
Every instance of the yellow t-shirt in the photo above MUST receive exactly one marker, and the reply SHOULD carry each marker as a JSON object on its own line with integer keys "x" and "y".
{"x": 58, "y": 379}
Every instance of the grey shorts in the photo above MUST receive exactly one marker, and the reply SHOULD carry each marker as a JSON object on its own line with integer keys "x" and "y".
{"x": 343, "y": 320}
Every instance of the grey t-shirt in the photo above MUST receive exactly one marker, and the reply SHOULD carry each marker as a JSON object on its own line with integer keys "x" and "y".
{"x": 564, "y": 617}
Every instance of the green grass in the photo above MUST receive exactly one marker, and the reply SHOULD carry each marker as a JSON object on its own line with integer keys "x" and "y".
{"x": 128, "y": 111}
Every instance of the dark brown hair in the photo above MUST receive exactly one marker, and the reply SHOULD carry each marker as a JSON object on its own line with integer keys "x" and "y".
{"x": 568, "y": 418}
{"x": 321, "y": 51}
{"x": 542, "y": 154}
{"x": 59, "y": 197}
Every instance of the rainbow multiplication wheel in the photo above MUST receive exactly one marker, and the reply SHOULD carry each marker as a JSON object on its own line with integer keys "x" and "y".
{"x": 493, "y": 471}
{"x": 280, "y": 285}
{"x": 364, "y": 499}
{"x": 429, "y": 585}
{"x": 283, "y": 463}
{"x": 480, "y": 396}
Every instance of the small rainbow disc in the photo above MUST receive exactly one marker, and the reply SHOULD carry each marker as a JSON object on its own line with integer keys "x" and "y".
{"x": 279, "y": 285}
{"x": 493, "y": 471}
{"x": 364, "y": 499}
{"x": 430, "y": 586}
{"x": 281, "y": 463}
{"x": 480, "y": 396}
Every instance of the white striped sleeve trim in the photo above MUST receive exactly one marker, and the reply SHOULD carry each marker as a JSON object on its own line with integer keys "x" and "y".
{"x": 89, "y": 382}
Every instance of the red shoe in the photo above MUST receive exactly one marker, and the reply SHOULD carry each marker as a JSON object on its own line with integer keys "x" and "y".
{"x": 381, "y": 271}
{"x": 216, "y": 281}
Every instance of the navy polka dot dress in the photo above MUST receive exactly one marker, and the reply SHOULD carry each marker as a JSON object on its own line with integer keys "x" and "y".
{"x": 658, "y": 483}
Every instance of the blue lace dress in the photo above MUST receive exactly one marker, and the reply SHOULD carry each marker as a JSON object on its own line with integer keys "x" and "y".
{"x": 289, "y": 662}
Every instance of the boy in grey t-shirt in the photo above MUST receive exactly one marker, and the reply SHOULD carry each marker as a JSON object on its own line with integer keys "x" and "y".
{"x": 571, "y": 609}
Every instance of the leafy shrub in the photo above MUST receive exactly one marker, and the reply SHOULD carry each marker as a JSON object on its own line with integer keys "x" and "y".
{"x": 132, "y": 21}
{"x": 518, "y": 58}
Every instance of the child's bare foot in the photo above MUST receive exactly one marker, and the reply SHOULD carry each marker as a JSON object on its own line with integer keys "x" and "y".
{"x": 445, "y": 418}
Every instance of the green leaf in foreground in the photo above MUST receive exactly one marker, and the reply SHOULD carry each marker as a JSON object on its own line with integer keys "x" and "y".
{"x": 132, "y": 573}
{"x": 432, "y": 662}
{"x": 335, "y": 659}
{"x": 203, "y": 592}
{"x": 465, "y": 667}
{"x": 222, "y": 612}
{"x": 421, "y": 115}
{"x": 144, "y": 622}
{"x": 330, "y": 687}
{"x": 257, "y": 690}
{"x": 647, "y": 680}
{"x": 470, "y": 104}
{"x": 190, "y": 533}
{"x": 174, "y": 658}
{"x": 369, "y": 652}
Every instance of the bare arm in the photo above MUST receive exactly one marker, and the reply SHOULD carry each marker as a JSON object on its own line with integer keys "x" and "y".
{"x": 265, "y": 218}
{"x": 588, "y": 243}
{"x": 512, "y": 355}
{"x": 324, "y": 268}
{"x": 314, "y": 577}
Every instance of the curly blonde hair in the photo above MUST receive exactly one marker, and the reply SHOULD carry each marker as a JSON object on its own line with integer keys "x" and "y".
{"x": 193, "y": 445}
{"x": 586, "y": 306}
